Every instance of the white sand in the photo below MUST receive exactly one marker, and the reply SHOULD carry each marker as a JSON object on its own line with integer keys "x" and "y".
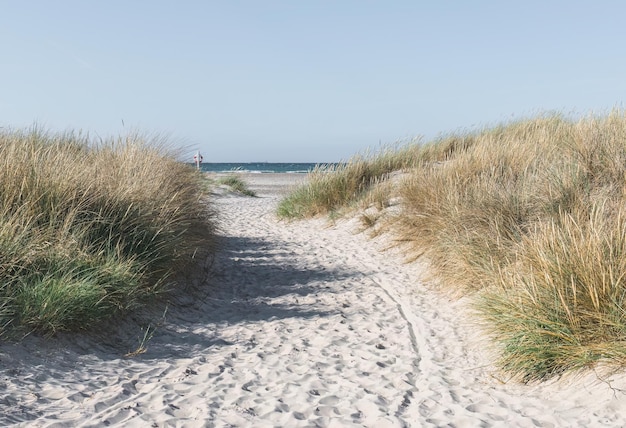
{"x": 298, "y": 324}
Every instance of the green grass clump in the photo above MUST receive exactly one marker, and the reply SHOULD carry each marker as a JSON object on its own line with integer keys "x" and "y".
{"x": 528, "y": 219}
{"x": 237, "y": 184}
{"x": 88, "y": 230}
{"x": 563, "y": 306}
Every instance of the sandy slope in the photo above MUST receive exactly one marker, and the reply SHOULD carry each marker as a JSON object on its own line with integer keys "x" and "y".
{"x": 298, "y": 324}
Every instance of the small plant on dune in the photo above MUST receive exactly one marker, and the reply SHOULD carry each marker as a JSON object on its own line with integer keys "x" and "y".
{"x": 148, "y": 334}
{"x": 237, "y": 184}
{"x": 88, "y": 230}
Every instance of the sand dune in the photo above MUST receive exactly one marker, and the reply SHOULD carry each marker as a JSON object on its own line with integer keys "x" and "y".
{"x": 292, "y": 324}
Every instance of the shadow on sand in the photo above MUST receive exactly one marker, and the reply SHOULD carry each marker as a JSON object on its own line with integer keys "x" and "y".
{"x": 245, "y": 282}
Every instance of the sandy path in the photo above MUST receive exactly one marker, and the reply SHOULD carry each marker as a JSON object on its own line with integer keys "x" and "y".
{"x": 299, "y": 324}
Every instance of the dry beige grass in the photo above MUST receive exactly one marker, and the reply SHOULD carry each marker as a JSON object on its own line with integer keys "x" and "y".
{"x": 527, "y": 218}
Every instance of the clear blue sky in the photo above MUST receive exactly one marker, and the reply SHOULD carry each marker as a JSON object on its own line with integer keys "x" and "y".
{"x": 304, "y": 80}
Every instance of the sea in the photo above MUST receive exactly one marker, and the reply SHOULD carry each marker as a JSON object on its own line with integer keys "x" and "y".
{"x": 259, "y": 167}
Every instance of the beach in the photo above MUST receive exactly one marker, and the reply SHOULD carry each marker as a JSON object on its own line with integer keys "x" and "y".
{"x": 291, "y": 324}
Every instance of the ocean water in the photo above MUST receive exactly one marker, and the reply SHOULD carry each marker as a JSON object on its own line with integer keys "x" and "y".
{"x": 260, "y": 167}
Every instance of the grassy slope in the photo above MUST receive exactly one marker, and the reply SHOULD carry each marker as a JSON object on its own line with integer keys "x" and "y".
{"x": 87, "y": 231}
{"x": 528, "y": 218}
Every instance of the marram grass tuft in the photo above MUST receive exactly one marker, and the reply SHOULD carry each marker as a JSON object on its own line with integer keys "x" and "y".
{"x": 88, "y": 230}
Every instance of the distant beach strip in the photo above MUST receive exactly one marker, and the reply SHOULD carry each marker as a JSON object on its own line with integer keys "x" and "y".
{"x": 261, "y": 167}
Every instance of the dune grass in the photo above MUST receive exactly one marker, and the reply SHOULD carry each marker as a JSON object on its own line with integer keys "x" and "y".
{"x": 236, "y": 184}
{"x": 334, "y": 186}
{"x": 89, "y": 230}
{"x": 528, "y": 218}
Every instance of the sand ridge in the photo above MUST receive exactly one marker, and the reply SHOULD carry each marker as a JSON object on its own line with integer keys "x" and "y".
{"x": 293, "y": 324}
